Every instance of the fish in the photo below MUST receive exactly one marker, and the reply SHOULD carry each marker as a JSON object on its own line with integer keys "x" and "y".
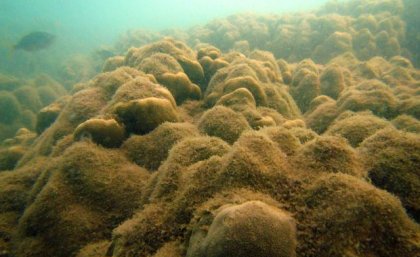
{"x": 35, "y": 41}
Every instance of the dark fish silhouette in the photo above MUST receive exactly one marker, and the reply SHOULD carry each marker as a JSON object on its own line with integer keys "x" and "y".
{"x": 35, "y": 41}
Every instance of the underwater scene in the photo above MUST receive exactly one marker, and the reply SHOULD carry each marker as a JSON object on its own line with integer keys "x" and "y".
{"x": 210, "y": 128}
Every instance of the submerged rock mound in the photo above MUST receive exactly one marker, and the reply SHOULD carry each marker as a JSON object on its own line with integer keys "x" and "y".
{"x": 249, "y": 229}
{"x": 21, "y": 100}
{"x": 174, "y": 151}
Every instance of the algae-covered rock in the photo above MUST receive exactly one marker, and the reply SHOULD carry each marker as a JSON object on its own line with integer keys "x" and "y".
{"x": 332, "y": 82}
{"x": 143, "y": 116}
{"x": 392, "y": 160}
{"x": 250, "y": 84}
{"x": 224, "y": 123}
{"x": 370, "y": 95}
{"x": 47, "y": 115}
{"x": 183, "y": 155}
{"x": 284, "y": 138}
{"x": 9, "y": 109}
{"x": 142, "y": 234}
{"x": 195, "y": 149}
{"x": 28, "y": 96}
{"x": 98, "y": 249}
{"x": 152, "y": 149}
{"x": 10, "y": 156}
{"x": 406, "y": 123}
{"x": 336, "y": 44}
{"x": 177, "y": 49}
{"x": 180, "y": 86}
{"x": 107, "y": 133}
{"x": 249, "y": 229}
{"x": 354, "y": 199}
{"x": 259, "y": 76}
{"x": 303, "y": 134}
{"x": 224, "y": 140}
{"x": 305, "y": 87}
{"x": 15, "y": 189}
{"x": 356, "y": 127}
{"x": 254, "y": 160}
{"x": 322, "y": 112}
{"x": 240, "y": 96}
{"x": 113, "y": 63}
{"x": 79, "y": 199}
{"x": 329, "y": 154}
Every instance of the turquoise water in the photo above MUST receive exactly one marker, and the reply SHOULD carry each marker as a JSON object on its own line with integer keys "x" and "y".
{"x": 81, "y": 26}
